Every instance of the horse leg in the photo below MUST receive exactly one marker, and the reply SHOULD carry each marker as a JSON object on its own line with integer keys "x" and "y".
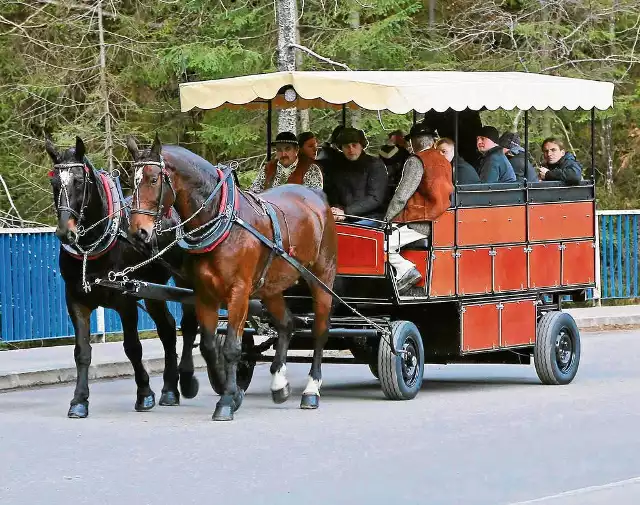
{"x": 189, "y": 325}
{"x": 322, "y": 310}
{"x": 283, "y": 321}
{"x": 80, "y": 317}
{"x": 207, "y": 314}
{"x": 232, "y": 396}
{"x": 166, "y": 326}
{"x": 145, "y": 398}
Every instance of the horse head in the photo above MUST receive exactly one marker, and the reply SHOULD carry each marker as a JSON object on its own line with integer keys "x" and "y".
{"x": 70, "y": 180}
{"x": 153, "y": 193}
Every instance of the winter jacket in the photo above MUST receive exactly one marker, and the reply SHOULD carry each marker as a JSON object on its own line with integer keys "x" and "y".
{"x": 518, "y": 163}
{"x": 495, "y": 167}
{"x": 567, "y": 170}
{"x": 358, "y": 187}
{"x": 465, "y": 173}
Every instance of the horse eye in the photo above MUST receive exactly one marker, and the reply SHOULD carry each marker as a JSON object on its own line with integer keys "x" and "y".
{"x": 154, "y": 180}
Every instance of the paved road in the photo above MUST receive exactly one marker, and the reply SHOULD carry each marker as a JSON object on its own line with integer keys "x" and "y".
{"x": 475, "y": 435}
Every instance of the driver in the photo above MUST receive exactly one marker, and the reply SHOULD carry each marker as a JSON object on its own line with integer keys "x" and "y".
{"x": 287, "y": 168}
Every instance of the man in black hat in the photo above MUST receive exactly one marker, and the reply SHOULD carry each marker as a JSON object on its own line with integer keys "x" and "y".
{"x": 510, "y": 143}
{"x": 287, "y": 167}
{"x": 494, "y": 165}
{"x": 359, "y": 181}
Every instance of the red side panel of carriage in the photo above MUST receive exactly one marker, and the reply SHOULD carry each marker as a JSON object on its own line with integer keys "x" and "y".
{"x": 487, "y": 225}
{"x": 557, "y": 221}
{"x": 360, "y": 250}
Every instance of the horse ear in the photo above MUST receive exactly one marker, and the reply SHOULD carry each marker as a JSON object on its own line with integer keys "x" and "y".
{"x": 132, "y": 147}
{"x": 51, "y": 149}
{"x": 80, "y": 149}
{"x": 157, "y": 146}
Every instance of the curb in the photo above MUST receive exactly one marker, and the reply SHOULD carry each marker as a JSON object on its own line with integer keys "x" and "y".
{"x": 115, "y": 370}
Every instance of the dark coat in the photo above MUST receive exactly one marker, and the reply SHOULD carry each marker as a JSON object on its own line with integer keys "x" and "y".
{"x": 393, "y": 157}
{"x": 358, "y": 187}
{"x": 522, "y": 172}
{"x": 465, "y": 173}
{"x": 567, "y": 170}
{"x": 495, "y": 167}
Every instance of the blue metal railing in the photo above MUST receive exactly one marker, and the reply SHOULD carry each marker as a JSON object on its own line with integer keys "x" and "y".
{"x": 32, "y": 301}
{"x": 618, "y": 253}
{"x": 32, "y": 304}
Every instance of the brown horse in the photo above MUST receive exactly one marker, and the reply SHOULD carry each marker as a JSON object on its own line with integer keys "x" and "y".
{"x": 230, "y": 264}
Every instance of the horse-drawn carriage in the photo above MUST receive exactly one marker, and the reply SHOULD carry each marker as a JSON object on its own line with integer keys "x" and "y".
{"x": 495, "y": 267}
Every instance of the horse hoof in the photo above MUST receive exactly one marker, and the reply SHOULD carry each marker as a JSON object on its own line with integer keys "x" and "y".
{"x": 310, "y": 402}
{"x": 144, "y": 403}
{"x": 78, "y": 411}
{"x": 281, "y": 395}
{"x": 223, "y": 413}
{"x": 237, "y": 399}
{"x": 189, "y": 386}
{"x": 170, "y": 399}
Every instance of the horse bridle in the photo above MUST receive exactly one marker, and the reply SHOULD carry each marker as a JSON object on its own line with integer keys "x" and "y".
{"x": 137, "y": 178}
{"x": 65, "y": 177}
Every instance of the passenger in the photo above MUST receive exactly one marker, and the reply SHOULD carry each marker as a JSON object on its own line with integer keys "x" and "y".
{"x": 328, "y": 157}
{"x": 558, "y": 164}
{"x": 287, "y": 167}
{"x": 393, "y": 154}
{"x": 360, "y": 180}
{"x": 510, "y": 143}
{"x": 423, "y": 195}
{"x": 494, "y": 165}
{"x": 469, "y": 123}
{"x": 465, "y": 173}
{"x": 308, "y": 145}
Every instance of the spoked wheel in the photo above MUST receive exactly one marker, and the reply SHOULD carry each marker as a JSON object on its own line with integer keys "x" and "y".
{"x": 401, "y": 375}
{"x": 245, "y": 366}
{"x": 557, "y": 349}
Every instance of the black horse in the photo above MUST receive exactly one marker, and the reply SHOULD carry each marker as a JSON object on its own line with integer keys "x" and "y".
{"x": 93, "y": 222}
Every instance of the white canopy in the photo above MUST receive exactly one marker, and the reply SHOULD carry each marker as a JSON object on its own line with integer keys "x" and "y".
{"x": 400, "y": 92}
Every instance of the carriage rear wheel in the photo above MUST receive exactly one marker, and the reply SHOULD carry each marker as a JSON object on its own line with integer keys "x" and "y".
{"x": 245, "y": 366}
{"x": 557, "y": 349}
{"x": 401, "y": 375}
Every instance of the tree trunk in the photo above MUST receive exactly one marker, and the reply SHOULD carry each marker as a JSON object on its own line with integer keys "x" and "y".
{"x": 287, "y": 18}
{"x": 104, "y": 91}
{"x": 354, "y": 22}
{"x": 607, "y": 154}
{"x": 432, "y": 13}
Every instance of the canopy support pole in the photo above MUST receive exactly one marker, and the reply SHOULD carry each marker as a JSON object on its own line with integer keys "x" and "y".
{"x": 526, "y": 139}
{"x": 455, "y": 160}
{"x": 269, "y": 113}
{"x": 344, "y": 114}
{"x": 593, "y": 145}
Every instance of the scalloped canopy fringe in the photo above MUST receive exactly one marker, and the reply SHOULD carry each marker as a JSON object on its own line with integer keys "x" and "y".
{"x": 400, "y": 92}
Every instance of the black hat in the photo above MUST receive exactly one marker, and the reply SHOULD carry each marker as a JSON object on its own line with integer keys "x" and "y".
{"x": 511, "y": 141}
{"x": 489, "y": 132}
{"x": 286, "y": 138}
{"x": 335, "y": 133}
{"x": 352, "y": 136}
{"x": 418, "y": 130}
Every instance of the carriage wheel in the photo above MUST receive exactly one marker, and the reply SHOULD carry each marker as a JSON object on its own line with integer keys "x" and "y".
{"x": 245, "y": 366}
{"x": 367, "y": 354}
{"x": 557, "y": 349}
{"x": 401, "y": 375}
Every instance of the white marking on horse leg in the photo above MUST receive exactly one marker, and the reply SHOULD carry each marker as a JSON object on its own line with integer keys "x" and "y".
{"x": 313, "y": 387}
{"x": 279, "y": 379}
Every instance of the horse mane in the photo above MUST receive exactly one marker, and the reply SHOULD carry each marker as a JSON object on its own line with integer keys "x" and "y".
{"x": 204, "y": 171}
